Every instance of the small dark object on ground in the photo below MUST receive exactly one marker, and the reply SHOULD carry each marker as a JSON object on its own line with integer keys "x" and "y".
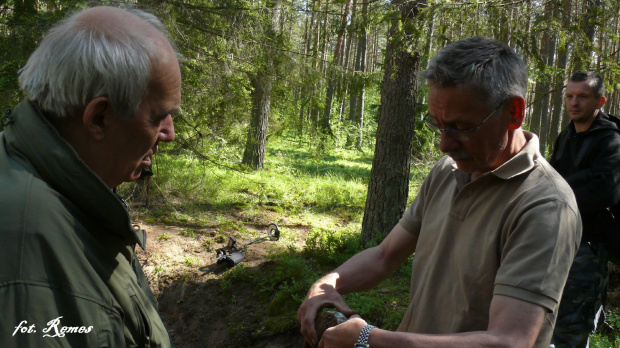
{"x": 231, "y": 255}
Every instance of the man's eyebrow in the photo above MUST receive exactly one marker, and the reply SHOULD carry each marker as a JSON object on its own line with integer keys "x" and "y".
{"x": 171, "y": 112}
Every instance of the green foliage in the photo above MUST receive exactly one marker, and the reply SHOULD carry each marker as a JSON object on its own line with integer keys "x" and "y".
{"x": 293, "y": 180}
{"x": 22, "y": 25}
{"x": 187, "y": 232}
{"x": 191, "y": 261}
{"x": 208, "y": 244}
{"x": 163, "y": 237}
{"x": 380, "y": 308}
{"x": 607, "y": 336}
{"x": 332, "y": 247}
{"x": 288, "y": 283}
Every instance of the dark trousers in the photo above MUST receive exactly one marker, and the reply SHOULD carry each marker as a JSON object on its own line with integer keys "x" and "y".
{"x": 581, "y": 306}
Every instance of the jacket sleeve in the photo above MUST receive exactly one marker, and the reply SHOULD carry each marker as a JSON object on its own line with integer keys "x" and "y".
{"x": 598, "y": 186}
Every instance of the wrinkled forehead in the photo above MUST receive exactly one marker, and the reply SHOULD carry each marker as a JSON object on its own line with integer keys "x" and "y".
{"x": 444, "y": 93}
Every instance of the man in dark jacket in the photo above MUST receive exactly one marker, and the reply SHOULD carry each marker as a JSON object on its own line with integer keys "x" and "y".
{"x": 587, "y": 155}
{"x": 100, "y": 91}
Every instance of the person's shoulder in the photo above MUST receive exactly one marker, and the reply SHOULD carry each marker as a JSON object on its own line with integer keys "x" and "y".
{"x": 445, "y": 164}
{"x": 441, "y": 170}
{"x": 546, "y": 183}
{"x": 28, "y": 202}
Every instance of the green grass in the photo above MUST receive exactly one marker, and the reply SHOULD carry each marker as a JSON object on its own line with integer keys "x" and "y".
{"x": 187, "y": 232}
{"x": 163, "y": 237}
{"x": 296, "y": 184}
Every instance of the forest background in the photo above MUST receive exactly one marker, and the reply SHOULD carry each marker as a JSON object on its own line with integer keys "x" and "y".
{"x": 308, "y": 113}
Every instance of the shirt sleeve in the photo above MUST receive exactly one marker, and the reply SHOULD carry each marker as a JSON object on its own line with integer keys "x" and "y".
{"x": 537, "y": 253}
{"x": 411, "y": 220}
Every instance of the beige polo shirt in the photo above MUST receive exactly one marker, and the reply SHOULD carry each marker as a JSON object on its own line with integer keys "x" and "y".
{"x": 513, "y": 232}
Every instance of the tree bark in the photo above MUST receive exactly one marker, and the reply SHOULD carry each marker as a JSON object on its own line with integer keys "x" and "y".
{"x": 558, "y": 89}
{"x": 262, "y": 83}
{"x": 254, "y": 154}
{"x": 333, "y": 71}
{"x": 588, "y": 25}
{"x": 388, "y": 187}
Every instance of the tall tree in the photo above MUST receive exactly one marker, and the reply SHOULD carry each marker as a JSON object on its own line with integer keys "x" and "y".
{"x": 539, "y": 123}
{"x": 559, "y": 78}
{"x": 262, "y": 83}
{"x": 388, "y": 187}
{"x": 589, "y": 17}
{"x": 358, "y": 88}
{"x": 334, "y": 70}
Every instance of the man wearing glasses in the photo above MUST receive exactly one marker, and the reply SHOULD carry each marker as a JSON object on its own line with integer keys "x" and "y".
{"x": 494, "y": 228}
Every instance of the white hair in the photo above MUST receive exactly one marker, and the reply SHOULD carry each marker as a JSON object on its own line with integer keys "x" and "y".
{"x": 78, "y": 61}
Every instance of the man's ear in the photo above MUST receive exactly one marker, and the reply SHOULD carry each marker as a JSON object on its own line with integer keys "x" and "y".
{"x": 95, "y": 117}
{"x": 516, "y": 106}
{"x": 601, "y": 102}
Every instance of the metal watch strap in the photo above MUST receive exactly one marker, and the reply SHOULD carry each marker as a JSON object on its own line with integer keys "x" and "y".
{"x": 362, "y": 341}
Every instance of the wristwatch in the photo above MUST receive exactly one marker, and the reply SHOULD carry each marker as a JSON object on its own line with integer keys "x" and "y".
{"x": 362, "y": 341}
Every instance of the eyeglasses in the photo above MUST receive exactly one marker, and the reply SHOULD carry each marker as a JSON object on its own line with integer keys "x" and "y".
{"x": 458, "y": 134}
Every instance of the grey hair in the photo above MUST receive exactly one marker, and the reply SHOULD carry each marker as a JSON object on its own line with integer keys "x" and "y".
{"x": 484, "y": 63}
{"x": 592, "y": 79}
{"x": 78, "y": 61}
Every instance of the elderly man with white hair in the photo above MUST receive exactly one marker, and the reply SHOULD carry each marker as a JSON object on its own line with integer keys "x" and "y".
{"x": 100, "y": 92}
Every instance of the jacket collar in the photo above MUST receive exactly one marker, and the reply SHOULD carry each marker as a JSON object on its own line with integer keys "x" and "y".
{"x": 602, "y": 121}
{"x": 58, "y": 164}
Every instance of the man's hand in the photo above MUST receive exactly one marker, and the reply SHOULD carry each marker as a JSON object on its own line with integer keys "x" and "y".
{"x": 344, "y": 335}
{"x": 322, "y": 294}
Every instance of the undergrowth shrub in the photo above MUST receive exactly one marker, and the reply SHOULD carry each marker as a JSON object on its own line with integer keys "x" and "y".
{"x": 607, "y": 336}
{"x": 332, "y": 247}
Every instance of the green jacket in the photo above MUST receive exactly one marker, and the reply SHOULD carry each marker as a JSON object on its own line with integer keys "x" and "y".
{"x": 69, "y": 276}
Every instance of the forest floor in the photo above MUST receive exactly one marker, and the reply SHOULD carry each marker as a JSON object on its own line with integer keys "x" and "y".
{"x": 200, "y": 306}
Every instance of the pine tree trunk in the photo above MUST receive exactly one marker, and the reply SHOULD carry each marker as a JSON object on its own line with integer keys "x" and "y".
{"x": 262, "y": 83}
{"x": 558, "y": 90}
{"x": 388, "y": 187}
{"x": 254, "y": 154}
{"x": 333, "y": 73}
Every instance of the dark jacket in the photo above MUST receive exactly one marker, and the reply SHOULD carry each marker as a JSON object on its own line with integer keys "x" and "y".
{"x": 590, "y": 163}
{"x": 67, "y": 255}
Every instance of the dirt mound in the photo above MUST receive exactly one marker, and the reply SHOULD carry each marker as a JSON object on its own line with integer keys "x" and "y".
{"x": 198, "y": 304}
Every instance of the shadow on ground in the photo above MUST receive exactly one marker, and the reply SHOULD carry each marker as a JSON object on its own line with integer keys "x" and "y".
{"x": 202, "y": 304}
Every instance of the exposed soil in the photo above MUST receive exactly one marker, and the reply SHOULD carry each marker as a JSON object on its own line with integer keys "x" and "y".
{"x": 197, "y": 305}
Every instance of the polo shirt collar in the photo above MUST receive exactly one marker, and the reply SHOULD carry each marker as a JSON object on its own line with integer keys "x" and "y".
{"x": 522, "y": 162}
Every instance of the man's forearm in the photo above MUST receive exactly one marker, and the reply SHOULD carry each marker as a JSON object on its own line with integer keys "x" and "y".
{"x": 372, "y": 266}
{"x": 388, "y": 339}
{"x": 361, "y": 272}
{"x": 512, "y": 323}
